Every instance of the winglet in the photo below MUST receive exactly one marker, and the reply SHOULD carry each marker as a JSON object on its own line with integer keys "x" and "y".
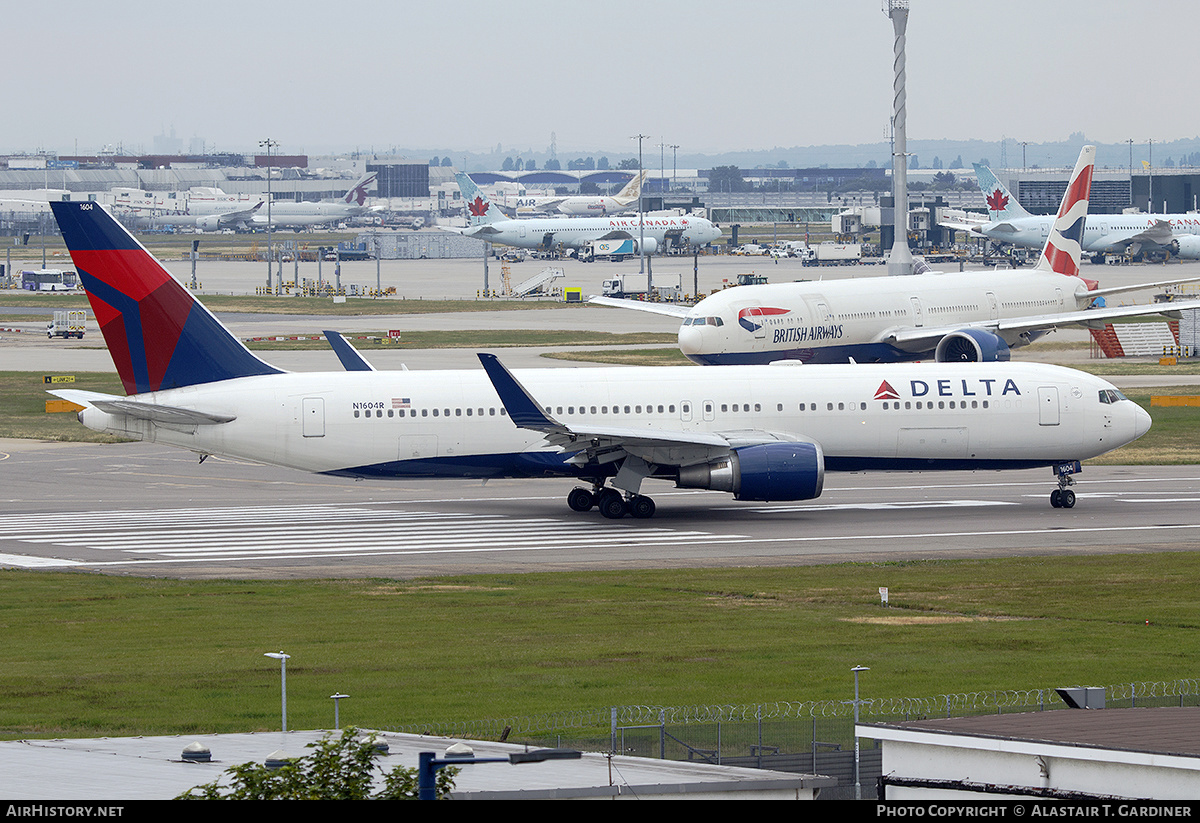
{"x": 1064, "y": 246}
{"x": 518, "y": 402}
{"x": 347, "y": 354}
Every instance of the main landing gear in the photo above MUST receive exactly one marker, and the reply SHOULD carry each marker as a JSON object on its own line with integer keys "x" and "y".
{"x": 611, "y": 503}
{"x": 1063, "y": 497}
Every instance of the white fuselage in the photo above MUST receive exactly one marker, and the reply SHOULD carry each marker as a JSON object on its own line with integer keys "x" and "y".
{"x": 597, "y": 206}
{"x": 452, "y": 424}
{"x": 577, "y": 232}
{"x": 834, "y": 320}
{"x": 1102, "y": 233}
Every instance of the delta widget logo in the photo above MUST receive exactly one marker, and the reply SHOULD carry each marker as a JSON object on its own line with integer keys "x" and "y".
{"x": 886, "y": 392}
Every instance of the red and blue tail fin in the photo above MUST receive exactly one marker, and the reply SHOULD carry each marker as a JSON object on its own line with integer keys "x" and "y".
{"x": 1064, "y": 246}
{"x": 159, "y": 335}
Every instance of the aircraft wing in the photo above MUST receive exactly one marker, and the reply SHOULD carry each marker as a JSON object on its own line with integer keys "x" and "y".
{"x": 912, "y": 337}
{"x": 669, "y": 309}
{"x": 593, "y": 444}
{"x": 1157, "y": 234}
{"x": 111, "y": 404}
{"x": 349, "y": 356}
{"x": 1141, "y": 287}
{"x": 232, "y": 218}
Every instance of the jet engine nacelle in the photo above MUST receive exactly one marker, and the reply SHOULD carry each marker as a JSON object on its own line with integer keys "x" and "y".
{"x": 649, "y": 244}
{"x": 771, "y": 471}
{"x": 1188, "y": 246}
{"x": 971, "y": 346}
{"x": 210, "y": 223}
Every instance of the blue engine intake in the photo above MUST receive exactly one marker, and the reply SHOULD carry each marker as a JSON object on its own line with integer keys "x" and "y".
{"x": 971, "y": 346}
{"x": 771, "y": 471}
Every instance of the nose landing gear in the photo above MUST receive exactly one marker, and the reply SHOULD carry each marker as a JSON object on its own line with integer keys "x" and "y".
{"x": 1063, "y": 497}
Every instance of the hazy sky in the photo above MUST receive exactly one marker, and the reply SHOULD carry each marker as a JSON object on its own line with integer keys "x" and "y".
{"x": 709, "y": 76}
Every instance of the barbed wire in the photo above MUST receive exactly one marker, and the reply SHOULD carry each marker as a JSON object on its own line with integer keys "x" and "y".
{"x": 601, "y": 720}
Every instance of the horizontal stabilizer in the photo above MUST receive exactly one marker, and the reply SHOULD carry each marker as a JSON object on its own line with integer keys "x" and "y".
{"x": 112, "y": 404}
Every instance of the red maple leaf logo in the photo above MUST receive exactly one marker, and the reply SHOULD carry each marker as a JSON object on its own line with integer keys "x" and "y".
{"x": 886, "y": 392}
{"x": 997, "y": 201}
{"x": 477, "y": 207}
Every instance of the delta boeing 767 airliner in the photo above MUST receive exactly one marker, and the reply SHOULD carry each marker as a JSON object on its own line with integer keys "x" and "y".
{"x": 758, "y": 432}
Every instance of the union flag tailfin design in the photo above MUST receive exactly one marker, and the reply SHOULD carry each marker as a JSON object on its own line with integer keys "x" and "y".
{"x": 1064, "y": 246}
{"x": 159, "y": 336}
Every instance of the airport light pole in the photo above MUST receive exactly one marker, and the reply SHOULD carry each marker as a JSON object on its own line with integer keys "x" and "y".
{"x": 459, "y": 755}
{"x": 269, "y": 144}
{"x": 283, "y": 659}
{"x": 641, "y": 213}
{"x": 857, "y": 778}
{"x": 674, "y": 163}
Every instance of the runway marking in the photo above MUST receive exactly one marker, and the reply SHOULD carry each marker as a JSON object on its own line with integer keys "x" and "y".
{"x": 298, "y": 532}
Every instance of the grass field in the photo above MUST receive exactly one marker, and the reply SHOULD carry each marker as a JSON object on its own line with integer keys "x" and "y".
{"x": 97, "y": 655}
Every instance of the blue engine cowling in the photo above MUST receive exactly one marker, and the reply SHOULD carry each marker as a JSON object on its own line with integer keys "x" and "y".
{"x": 770, "y": 471}
{"x": 971, "y": 346}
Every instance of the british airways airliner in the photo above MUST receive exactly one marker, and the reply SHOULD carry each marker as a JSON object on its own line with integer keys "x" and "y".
{"x": 758, "y": 432}
{"x": 952, "y": 317}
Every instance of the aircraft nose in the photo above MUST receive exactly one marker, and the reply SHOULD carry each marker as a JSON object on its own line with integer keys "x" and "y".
{"x": 1141, "y": 423}
{"x": 691, "y": 339}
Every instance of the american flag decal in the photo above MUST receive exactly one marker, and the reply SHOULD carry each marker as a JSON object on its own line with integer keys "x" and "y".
{"x": 399, "y": 402}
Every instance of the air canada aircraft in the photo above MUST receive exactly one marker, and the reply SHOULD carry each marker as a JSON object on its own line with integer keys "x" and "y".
{"x": 1138, "y": 234}
{"x": 555, "y": 233}
{"x": 758, "y": 432}
{"x": 961, "y": 316}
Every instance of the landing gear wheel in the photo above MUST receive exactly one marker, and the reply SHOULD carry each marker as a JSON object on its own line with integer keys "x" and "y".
{"x": 1068, "y": 499}
{"x": 641, "y": 507}
{"x": 581, "y": 500}
{"x": 1056, "y": 498}
{"x": 612, "y": 505}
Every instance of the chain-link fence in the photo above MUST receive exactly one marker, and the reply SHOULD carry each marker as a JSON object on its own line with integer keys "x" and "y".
{"x": 806, "y": 738}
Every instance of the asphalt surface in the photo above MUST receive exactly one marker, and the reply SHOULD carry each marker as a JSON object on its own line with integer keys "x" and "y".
{"x": 144, "y": 509}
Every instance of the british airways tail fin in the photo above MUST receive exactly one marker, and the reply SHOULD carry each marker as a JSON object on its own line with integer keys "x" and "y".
{"x": 358, "y": 194}
{"x": 159, "y": 335}
{"x": 1064, "y": 246}
{"x": 1000, "y": 202}
{"x": 481, "y": 209}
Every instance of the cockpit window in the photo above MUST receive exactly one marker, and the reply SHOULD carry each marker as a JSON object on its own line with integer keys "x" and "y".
{"x": 1111, "y": 396}
{"x": 703, "y": 321}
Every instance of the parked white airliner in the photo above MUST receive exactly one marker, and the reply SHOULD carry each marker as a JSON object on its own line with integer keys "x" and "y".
{"x": 1009, "y": 222}
{"x": 226, "y": 212}
{"x": 758, "y": 432}
{"x": 595, "y": 205}
{"x": 960, "y": 316}
{"x": 556, "y": 233}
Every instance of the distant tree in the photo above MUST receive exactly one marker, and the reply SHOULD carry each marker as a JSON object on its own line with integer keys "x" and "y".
{"x": 507, "y": 165}
{"x": 446, "y": 162}
{"x": 937, "y": 162}
{"x": 576, "y": 164}
{"x": 434, "y": 161}
{"x": 588, "y": 187}
{"x": 552, "y": 164}
{"x": 944, "y": 180}
{"x": 602, "y": 164}
{"x": 628, "y": 165}
{"x": 871, "y": 164}
{"x": 983, "y": 161}
{"x": 530, "y": 165}
{"x": 914, "y": 162}
{"x": 726, "y": 178}
{"x": 958, "y": 163}
{"x": 338, "y": 769}
{"x": 589, "y": 163}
